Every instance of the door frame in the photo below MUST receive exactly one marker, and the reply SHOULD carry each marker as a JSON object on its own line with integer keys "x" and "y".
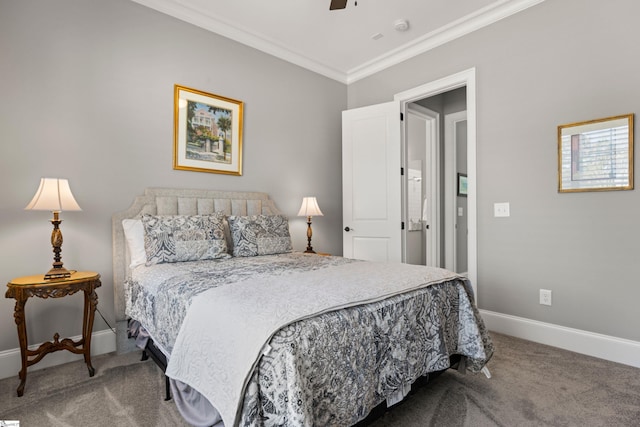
{"x": 464, "y": 78}
{"x": 450, "y": 184}
{"x": 432, "y": 227}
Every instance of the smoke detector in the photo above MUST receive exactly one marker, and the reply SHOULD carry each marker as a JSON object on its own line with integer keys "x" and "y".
{"x": 401, "y": 25}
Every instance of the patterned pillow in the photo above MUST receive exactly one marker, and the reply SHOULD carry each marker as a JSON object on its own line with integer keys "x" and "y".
{"x": 177, "y": 238}
{"x": 260, "y": 235}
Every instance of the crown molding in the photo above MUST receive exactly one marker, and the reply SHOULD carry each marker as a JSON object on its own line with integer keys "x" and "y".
{"x": 241, "y": 35}
{"x": 465, "y": 25}
{"x": 456, "y": 29}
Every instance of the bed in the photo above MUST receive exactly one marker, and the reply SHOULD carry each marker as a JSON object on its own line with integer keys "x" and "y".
{"x": 253, "y": 334}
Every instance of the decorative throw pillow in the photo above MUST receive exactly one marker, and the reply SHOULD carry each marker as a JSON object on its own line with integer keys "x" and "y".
{"x": 260, "y": 235}
{"x": 177, "y": 238}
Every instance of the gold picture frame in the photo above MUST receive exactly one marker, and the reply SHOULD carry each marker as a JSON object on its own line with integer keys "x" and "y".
{"x": 207, "y": 132}
{"x": 596, "y": 155}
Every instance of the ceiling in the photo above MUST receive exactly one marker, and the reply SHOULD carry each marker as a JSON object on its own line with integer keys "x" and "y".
{"x": 347, "y": 44}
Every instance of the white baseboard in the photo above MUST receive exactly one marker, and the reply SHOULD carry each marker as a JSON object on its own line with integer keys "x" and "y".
{"x": 606, "y": 347}
{"x": 101, "y": 342}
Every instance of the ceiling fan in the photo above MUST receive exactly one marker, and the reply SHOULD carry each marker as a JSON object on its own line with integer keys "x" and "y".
{"x": 339, "y": 4}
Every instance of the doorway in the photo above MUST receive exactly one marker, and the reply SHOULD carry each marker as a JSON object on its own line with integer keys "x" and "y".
{"x": 422, "y": 194}
{"x": 374, "y": 157}
{"x": 436, "y": 210}
{"x": 460, "y": 91}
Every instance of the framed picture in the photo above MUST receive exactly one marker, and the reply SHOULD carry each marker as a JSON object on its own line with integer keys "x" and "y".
{"x": 596, "y": 155}
{"x": 462, "y": 184}
{"x": 207, "y": 132}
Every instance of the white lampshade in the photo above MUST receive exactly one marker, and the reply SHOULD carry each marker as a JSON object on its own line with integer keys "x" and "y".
{"x": 53, "y": 195}
{"x": 309, "y": 207}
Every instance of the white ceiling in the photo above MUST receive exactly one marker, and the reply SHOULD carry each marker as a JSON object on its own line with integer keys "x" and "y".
{"x": 339, "y": 43}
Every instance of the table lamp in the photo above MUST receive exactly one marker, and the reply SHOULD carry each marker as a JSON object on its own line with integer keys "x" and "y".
{"x": 309, "y": 208}
{"x": 54, "y": 195}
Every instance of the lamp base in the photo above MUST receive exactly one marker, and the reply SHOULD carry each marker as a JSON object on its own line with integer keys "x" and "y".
{"x": 309, "y": 234}
{"x": 57, "y": 273}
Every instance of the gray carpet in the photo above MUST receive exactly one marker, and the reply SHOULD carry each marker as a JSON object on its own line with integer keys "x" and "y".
{"x": 123, "y": 392}
{"x": 532, "y": 385}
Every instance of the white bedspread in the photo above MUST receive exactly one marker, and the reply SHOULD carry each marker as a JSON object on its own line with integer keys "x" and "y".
{"x": 227, "y": 328}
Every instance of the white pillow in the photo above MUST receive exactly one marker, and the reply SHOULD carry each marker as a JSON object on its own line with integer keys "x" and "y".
{"x": 134, "y": 233}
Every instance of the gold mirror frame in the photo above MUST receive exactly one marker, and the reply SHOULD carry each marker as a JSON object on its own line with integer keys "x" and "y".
{"x": 596, "y": 155}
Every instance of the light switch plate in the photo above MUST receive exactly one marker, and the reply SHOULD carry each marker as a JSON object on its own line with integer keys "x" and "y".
{"x": 501, "y": 209}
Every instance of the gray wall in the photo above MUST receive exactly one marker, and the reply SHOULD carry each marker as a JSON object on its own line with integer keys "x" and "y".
{"x": 87, "y": 94}
{"x": 559, "y": 62}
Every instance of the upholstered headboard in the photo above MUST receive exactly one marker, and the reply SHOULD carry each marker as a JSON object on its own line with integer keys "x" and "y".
{"x": 176, "y": 201}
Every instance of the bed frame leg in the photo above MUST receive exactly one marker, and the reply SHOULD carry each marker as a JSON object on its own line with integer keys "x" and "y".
{"x": 159, "y": 359}
{"x": 167, "y": 388}
{"x": 486, "y": 372}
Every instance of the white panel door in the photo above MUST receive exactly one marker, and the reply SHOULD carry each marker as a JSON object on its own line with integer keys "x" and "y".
{"x": 372, "y": 183}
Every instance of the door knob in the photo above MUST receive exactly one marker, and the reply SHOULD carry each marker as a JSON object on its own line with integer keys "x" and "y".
{"x": 347, "y": 229}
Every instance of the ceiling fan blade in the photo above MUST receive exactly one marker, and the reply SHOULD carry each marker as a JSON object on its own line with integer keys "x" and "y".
{"x": 338, "y": 4}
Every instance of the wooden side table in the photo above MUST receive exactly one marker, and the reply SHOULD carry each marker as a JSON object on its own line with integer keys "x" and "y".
{"x": 22, "y": 288}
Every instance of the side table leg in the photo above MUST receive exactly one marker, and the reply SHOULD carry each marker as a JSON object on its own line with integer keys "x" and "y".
{"x": 18, "y": 315}
{"x": 90, "y": 304}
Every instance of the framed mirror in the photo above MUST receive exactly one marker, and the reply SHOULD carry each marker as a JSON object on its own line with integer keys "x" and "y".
{"x": 596, "y": 155}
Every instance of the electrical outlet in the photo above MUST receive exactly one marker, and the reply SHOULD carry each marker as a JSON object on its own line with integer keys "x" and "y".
{"x": 501, "y": 209}
{"x": 545, "y": 297}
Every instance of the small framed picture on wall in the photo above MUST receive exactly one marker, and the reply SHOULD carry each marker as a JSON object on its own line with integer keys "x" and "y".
{"x": 462, "y": 184}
